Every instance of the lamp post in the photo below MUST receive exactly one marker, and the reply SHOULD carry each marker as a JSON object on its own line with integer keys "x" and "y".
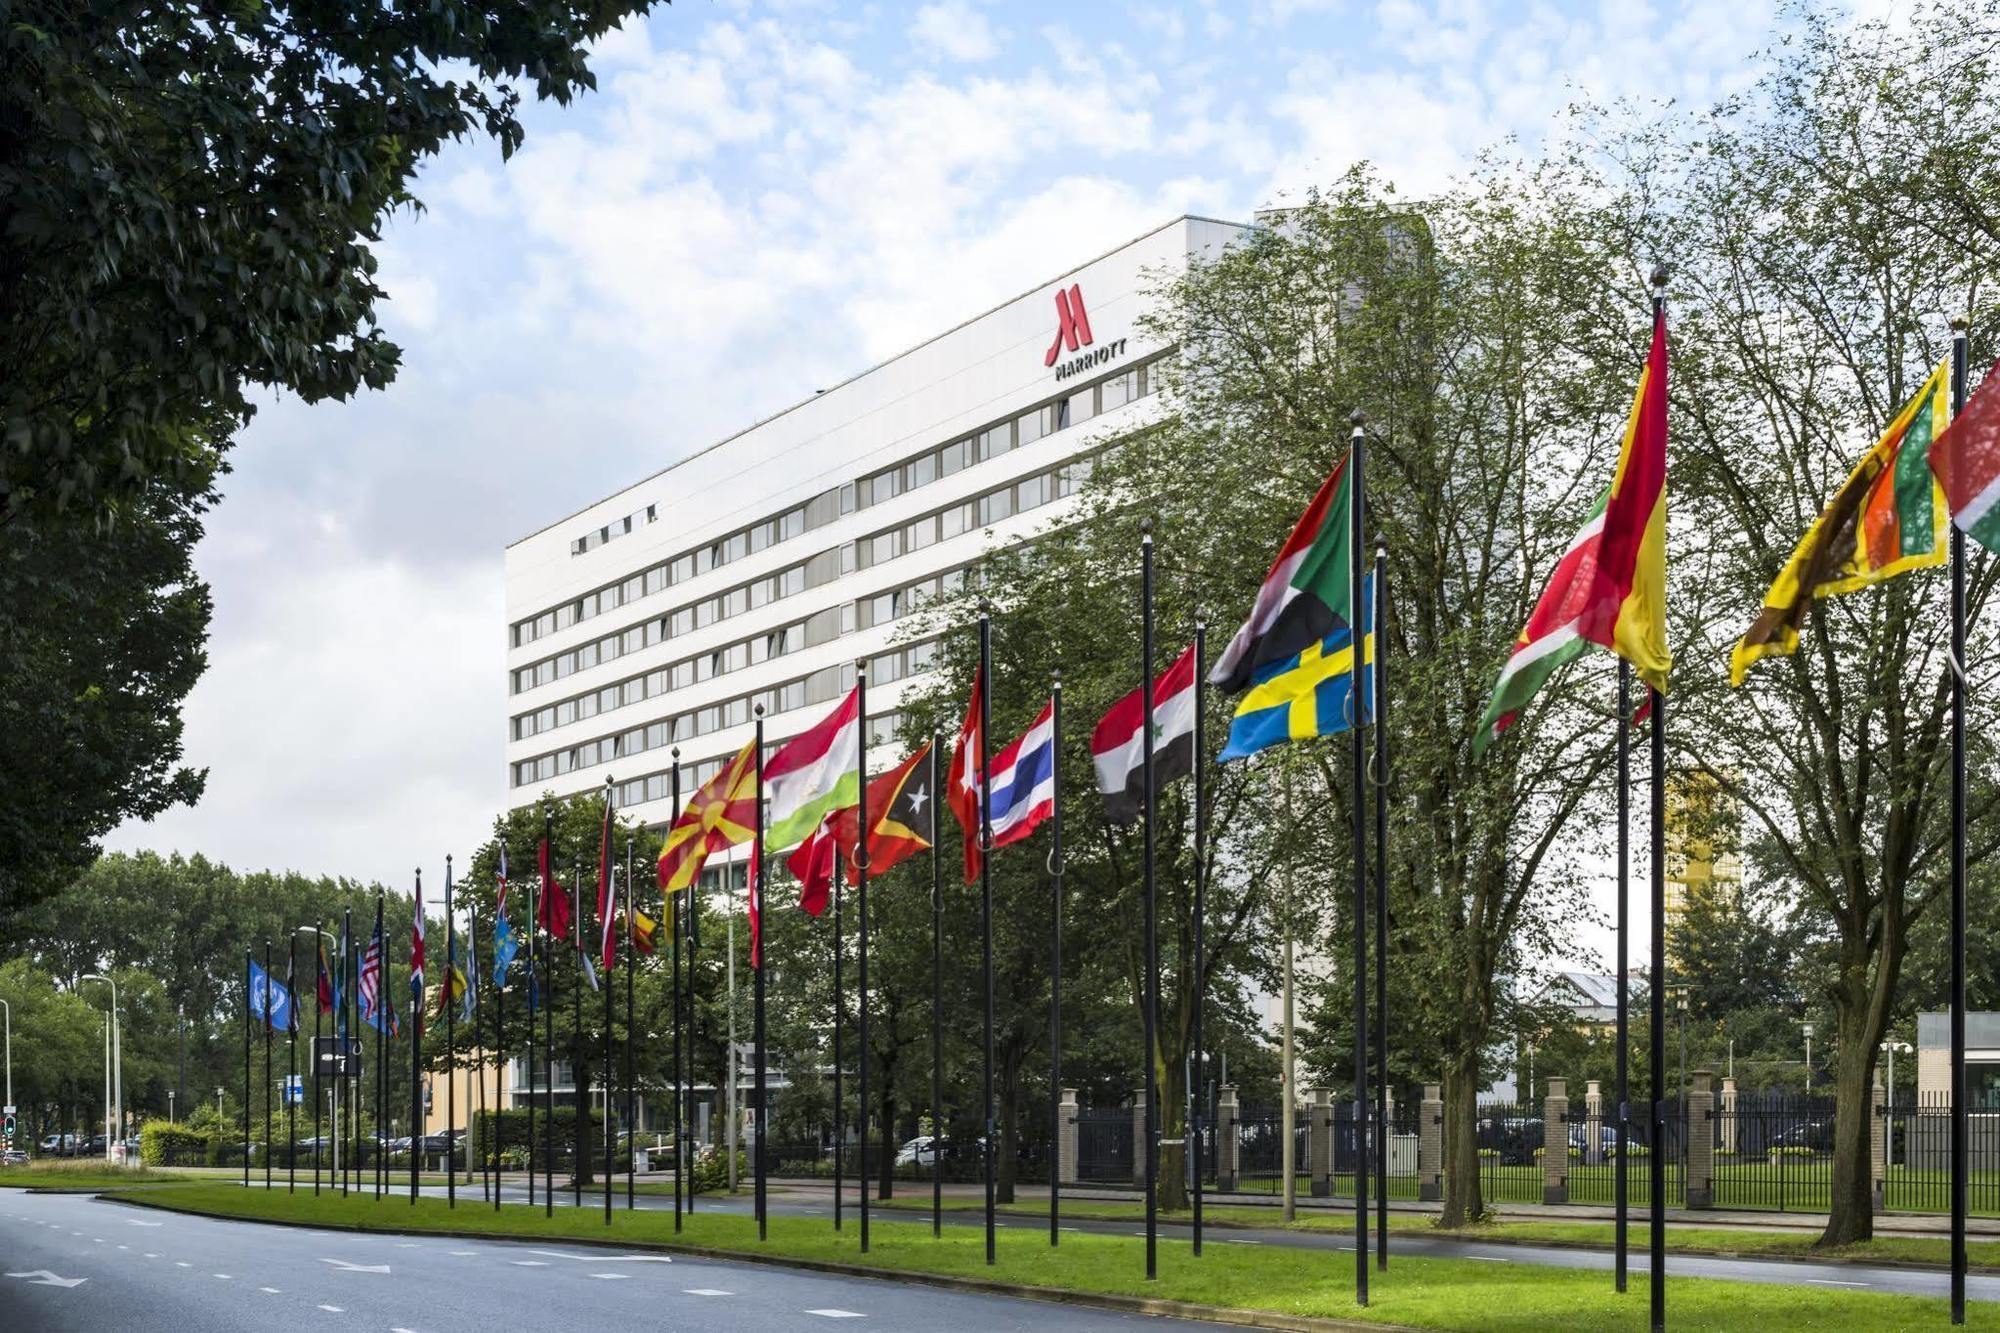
{"x": 1889, "y": 1110}
{"x": 1808, "y": 1027}
{"x": 8, "y": 1011}
{"x": 118, "y": 1070}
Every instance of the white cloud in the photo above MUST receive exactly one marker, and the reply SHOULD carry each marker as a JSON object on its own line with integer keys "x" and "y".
{"x": 956, "y": 31}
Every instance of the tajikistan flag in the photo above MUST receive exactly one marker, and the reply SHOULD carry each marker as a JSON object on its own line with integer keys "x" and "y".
{"x": 818, "y": 772}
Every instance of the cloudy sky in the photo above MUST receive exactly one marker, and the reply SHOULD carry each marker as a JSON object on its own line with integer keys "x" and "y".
{"x": 762, "y": 199}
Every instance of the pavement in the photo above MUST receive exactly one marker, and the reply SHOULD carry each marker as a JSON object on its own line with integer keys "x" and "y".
{"x": 817, "y": 1201}
{"x": 76, "y": 1262}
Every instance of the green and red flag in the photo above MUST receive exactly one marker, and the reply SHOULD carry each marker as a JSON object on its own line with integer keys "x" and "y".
{"x": 1966, "y": 459}
{"x": 1887, "y": 517}
{"x": 1610, "y": 587}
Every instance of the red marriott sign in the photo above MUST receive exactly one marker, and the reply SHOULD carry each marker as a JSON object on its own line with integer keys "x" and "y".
{"x": 1073, "y": 335}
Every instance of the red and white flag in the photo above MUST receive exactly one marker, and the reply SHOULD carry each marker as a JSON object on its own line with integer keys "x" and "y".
{"x": 1118, "y": 745}
{"x": 962, "y": 789}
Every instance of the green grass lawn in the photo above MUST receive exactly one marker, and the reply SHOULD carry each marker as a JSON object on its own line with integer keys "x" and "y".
{"x": 1426, "y": 1293}
{"x": 84, "y": 1173}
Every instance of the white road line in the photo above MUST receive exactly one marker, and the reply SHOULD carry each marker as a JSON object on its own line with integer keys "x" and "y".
{"x": 124, "y": 1247}
{"x": 706, "y": 1291}
{"x": 1834, "y": 1282}
{"x": 838, "y": 1314}
{"x": 406, "y": 1245}
{"x": 182, "y": 1264}
{"x": 1489, "y": 1258}
{"x": 97, "y": 1240}
{"x": 611, "y": 1277}
{"x": 332, "y": 1309}
{"x": 530, "y": 1263}
{"x": 224, "y": 1276}
{"x": 463, "y": 1253}
{"x": 151, "y": 1255}
{"x": 270, "y": 1291}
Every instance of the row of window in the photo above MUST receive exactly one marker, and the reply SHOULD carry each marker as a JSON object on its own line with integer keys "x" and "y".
{"x": 820, "y": 627}
{"x": 968, "y": 516}
{"x": 820, "y": 687}
{"x": 933, "y": 464}
{"x": 615, "y": 529}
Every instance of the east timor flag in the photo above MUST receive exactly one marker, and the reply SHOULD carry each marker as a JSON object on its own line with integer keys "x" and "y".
{"x": 1887, "y": 517}
{"x": 901, "y": 814}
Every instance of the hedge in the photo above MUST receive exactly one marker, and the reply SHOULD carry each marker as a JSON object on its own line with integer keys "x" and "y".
{"x": 163, "y": 1144}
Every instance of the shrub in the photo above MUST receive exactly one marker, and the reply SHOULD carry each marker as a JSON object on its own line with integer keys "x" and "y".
{"x": 162, "y": 1144}
{"x": 711, "y": 1171}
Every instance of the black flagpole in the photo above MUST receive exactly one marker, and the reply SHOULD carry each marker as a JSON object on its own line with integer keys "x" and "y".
{"x": 986, "y": 907}
{"x": 474, "y": 1078}
{"x": 1656, "y": 1157}
{"x": 416, "y": 1047}
{"x": 319, "y": 952}
{"x": 1198, "y": 1129}
{"x": 684, "y": 1073}
{"x": 248, "y": 960}
{"x": 500, "y": 1064}
{"x": 450, "y": 1043}
{"x": 348, "y": 983}
{"x": 547, "y": 980}
{"x": 937, "y": 1004}
{"x": 267, "y": 1064}
{"x": 1960, "y": 1147}
{"x": 528, "y": 1046}
{"x": 1620, "y": 1186}
{"x": 384, "y": 1006}
{"x": 1151, "y": 1002}
{"x": 1055, "y": 966}
{"x": 631, "y": 1090}
{"x": 292, "y": 1062}
{"x": 1381, "y": 710}
{"x": 579, "y": 1117}
{"x": 1358, "y": 777}
{"x": 861, "y": 905}
{"x": 605, "y": 929}
{"x": 757, "y": 1021}
{"x": 839, "y": 1088}
{"x": 672, "y": 903}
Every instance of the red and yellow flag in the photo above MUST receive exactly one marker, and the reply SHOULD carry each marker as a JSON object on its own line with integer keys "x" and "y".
{"x": 722, "y": 813}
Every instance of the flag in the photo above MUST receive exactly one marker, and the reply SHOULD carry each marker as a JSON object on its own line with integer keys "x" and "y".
{"x": 1118, "y": 748}
{"x": 343, "y": 971}
{"x": 1887, "y": 517}
{"x": 417, "y": 958}
{"x": 645, "y": 931}
{"x": 326, "y": 991}
{"x": 607, "y": 941}
{"x": 751, "y": 905}
{"x": 1305, "y": 695}
{"x": 962, "y": 787}
{"x": 814, "y": 773}
{"x": 1024, "y": 780}
{"x": 505, "y": 943}
{"x": 552, "y": 915}
{"x": 468, "y": 1008}
{"x": 291, "y": 1012}
{"x": 721, "y": 813}
{"x": 382, "y": 1017}
{"x": 1966, "y": 461}
{"x": 1610, "y": 587}
{"x": 1304, "y": 596}
{"x": 583, "y": 954}
{"x": 270, "y": 999}
{"x": 453, "y": 987}
{"x": 901, "y": 814}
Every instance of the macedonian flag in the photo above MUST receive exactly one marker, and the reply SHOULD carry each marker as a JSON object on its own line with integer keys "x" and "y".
{"x": 722, "y": 813}
{"x": 1889, "y": 516}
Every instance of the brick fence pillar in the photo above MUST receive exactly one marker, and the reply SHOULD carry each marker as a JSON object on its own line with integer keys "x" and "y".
{"x": 1700, "y": 1131}
{"x": 1726, "y": 1140}
{"x": 1319, "y": 1141}
{"x": 1066, "y": 1131}
{"x": 1228, "y": 1149}
{"x": 1139, "y": 1156}
{"x": 1555, "y": 1142}
{"x": 1593, "y": 1123}
{"x": 1430, "y": 1144}
{"x": 1878, "y": 1141}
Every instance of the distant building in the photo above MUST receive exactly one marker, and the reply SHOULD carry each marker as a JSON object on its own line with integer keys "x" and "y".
{"x": 1592, "y": 997}
{"x": 1704, "y": 845}
{"x": 1982, "y": 1059}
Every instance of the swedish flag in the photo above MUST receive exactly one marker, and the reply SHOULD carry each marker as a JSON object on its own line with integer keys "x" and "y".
{"x": 1308, "y": 693}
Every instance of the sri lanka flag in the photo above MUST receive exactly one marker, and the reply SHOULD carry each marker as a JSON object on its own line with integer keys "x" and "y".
{"x": 1610, "y": 587}
{"x": 1887, "y": 517}
{"x": 1293, "y": 657}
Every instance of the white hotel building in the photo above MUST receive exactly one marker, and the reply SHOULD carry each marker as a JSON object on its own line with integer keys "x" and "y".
{"x": 761, "y": 569}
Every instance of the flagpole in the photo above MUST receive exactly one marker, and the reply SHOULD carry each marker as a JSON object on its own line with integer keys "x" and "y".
{"x": 631, "y": 1091}
{"x": 937, "y": 1004}
{"x": 1379, "y": 619}
{"x": 267, "y": 1065}
{"x": 1656, "y": 1156}
{"x": 382, "y": 1011}
{"x": 445, "y": 989}
{"x": 1620, "y": 1176}
{"x": 683, "y": 1070}
{"x": 477, "y": 1080}
{"x": 986, "y": 906}
{"x": 839, "y": 1090}
{"x": 757, "y": 1021}
{"x": 1960, "y": 1147}
{"x": 500, "y": 1045}
{"x": 861, "y": 831}
{"x": 1197, "y": 1130}
{"x": 1055, "y": 964}
{"x": 579, "y": 1114}
{"x": 248, "y": 963}
{"x": 416, "y": 1039}
{"x": 319, "y": 1011}
{"x": 546, "y": 979}
{"x": 605, "y": 927}
{"x": 349, "y": 983}
{"x": 1150, "y": 1147}
{"x": 1358, "y": 778}
{"x": 292, "y": 1061}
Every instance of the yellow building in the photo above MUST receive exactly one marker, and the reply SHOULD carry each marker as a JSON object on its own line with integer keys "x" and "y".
{"x": 1704, "y": 844}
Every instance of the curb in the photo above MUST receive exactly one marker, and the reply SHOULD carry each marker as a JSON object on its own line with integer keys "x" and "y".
{"x": 1213, "y": 1314}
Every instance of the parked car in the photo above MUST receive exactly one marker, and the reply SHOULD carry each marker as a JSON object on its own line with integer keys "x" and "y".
{"x": 96, "y": 1146}
{"x": 14, "y": 1157}
{"x": 923, "y": 1150}
{"x": 1607, "y": 1138}
{"x": 1816, "y": 1135}
{"x": 59, "y": 1145}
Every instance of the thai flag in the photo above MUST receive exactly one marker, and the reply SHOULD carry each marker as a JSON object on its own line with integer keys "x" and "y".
{"x": 1024, "y": 781}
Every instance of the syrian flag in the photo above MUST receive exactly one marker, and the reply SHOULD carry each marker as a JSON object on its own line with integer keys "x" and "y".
{"x": 1118, "y": 746}
{"x": 817, "y": 772}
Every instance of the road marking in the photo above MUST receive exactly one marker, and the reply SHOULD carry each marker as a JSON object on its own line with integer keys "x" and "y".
{"x": 224, "y": 1276}
{"x": 130, "y": 1223}
{"x": 463, "y": 1253}
{"x": 406, "y": 1245}
{"x": 97, "y": 1240}
{"x": 124, "y": 1247}
{"x": 611, "y": 1277}
{"x": 1489, "y": 1258}
{"x": 838, "y": 1314}
{"x": 347, "y": 1267}
{"x": 178, "y": 1263}
{"x": 151, "y": 1255}
{"x": 332, "y": 1309}
{"x": 269, "y": 1291}
{"x": 531, "y": 1263}
{"x": 1834, "y": 1282}
{"x": 42, "y": 1277}
{"x": 706, "y": 1291}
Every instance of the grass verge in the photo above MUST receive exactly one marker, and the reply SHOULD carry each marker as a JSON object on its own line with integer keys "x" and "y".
{"x": 1424, "y": 1293}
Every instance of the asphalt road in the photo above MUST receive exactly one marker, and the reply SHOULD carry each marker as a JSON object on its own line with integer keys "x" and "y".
{"x": 77, "y": 1262}
{"x": 818, "y": 1202}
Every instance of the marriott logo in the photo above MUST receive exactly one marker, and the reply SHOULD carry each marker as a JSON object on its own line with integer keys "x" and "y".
{"x": 1073, "y": 335}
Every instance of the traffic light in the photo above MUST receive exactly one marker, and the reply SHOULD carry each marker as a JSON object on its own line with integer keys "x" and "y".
{"x": 7, "y": 1127}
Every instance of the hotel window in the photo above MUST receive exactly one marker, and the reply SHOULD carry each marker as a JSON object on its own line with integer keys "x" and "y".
{"x": 956, "y": 457}
{"x": 922, "y": 471}
{"x": 920, "y": 534}
{"x": 958, "y": 519}
{"x": 922, "y": 655}
{"x": 1032, "y": 492}
{"x": 994, "y": 507}
{"x": 1033, "y": 425}
{"x": 995, "y": 442}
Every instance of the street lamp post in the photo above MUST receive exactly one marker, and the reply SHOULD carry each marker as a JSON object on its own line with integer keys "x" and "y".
{"x": 1889, "y": 1110}
{"x": 118, "y": 1070}
{"x": 1809, "y": 1036}
{"x": 8, "y": 1011}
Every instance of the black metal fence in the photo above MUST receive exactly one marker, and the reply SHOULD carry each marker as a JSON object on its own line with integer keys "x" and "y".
{"x": 1917, "y": 1166}
{"x": 1104, "y": 1147}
